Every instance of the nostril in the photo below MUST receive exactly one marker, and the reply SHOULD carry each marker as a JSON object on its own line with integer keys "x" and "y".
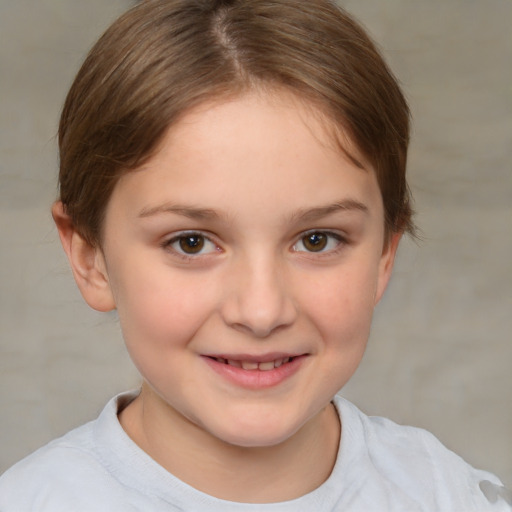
{"x": 257, "y": 303}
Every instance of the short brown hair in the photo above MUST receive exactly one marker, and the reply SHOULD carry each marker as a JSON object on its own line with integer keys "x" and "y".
{"x": 163, "y": 57}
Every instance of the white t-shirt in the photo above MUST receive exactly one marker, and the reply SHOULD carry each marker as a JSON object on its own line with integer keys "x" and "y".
{"x": 380, "y": 466}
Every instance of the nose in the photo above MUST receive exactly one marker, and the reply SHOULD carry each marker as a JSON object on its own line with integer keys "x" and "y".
{"x": 258, "y": 299}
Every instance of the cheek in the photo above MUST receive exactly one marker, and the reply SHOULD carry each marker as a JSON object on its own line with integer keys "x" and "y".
{"x": 160, "y": 309}
{"x": 341, "y": 312}
{"x": 341, "y": 303}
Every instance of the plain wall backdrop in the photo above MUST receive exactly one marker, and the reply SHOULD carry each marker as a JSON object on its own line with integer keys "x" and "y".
{"x": 440, "y": 354}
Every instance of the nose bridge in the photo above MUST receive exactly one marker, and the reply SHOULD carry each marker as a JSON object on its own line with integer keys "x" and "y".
{"x": 258, "y": 298}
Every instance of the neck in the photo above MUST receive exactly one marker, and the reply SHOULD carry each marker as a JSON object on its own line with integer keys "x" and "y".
{"x": 267, "y": 474}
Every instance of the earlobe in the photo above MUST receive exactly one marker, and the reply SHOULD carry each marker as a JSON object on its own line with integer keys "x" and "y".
{"x": 386, "y": 264}
{"x": 87, "y": 262}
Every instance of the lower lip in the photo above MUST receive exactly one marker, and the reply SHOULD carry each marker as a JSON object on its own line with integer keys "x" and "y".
{"x": 256, "y": 379}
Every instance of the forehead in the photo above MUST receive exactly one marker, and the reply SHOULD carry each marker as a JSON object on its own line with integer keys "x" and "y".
{"x": 258, "y": 150}
{"x": 239, "y": 109}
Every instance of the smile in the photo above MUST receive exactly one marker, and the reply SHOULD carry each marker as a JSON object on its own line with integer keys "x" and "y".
{"x": 253, "y": 372}
{"x": 255, "y": 365}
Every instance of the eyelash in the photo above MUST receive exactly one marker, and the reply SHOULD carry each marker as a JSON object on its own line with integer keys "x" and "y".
{"x": 340, "y": 241}
{"x": 168, "y": 244}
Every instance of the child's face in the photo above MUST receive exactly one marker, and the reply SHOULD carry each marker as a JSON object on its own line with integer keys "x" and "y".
{"x": 248, "y": 239}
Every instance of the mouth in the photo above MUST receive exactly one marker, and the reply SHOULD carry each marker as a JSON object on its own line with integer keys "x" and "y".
{"x": 256, "y": 372}
{"x": 253, "y": 365}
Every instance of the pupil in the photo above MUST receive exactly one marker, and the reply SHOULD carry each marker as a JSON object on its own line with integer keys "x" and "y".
{"x": 191, "y": 244}
{"x": 315, "y": 242}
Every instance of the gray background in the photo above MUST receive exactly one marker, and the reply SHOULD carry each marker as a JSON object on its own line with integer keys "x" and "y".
{"x": 440, "y": 355}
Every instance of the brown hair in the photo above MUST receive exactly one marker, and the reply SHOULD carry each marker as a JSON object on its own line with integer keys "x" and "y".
{"x": 163, "y": 57}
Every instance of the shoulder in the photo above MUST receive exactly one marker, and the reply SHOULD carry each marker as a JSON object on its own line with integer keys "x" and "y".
{"x": 69, "y": 473}
{"x": 414, "y": 463}
{"x": 60, "y": 464}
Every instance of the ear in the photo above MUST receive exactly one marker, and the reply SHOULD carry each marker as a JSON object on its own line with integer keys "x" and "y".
{"x": 87, "y": 262}
{"x": 387, "y": 261}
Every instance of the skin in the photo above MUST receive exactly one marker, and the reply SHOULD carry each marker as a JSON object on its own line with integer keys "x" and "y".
{"x": 251, "y": 178}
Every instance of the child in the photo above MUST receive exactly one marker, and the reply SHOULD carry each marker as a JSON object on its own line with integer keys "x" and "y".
{"x": 232, "y": 182}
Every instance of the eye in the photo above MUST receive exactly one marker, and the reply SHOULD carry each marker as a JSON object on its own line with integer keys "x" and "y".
{"x": 191, "y": 244}
{"x": 318, "y": 241}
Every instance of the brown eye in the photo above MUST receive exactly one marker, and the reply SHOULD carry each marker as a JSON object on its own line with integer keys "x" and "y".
{"x": 191, "y": 244}
{"x": 315, "y": 242}
{"x": 319, "y": 242}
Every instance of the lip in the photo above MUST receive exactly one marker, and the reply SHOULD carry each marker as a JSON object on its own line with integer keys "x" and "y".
{"x": 255, "y": 379}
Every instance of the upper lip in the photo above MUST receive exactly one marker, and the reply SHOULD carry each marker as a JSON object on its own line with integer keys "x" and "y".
{"x": 255, "y": 358}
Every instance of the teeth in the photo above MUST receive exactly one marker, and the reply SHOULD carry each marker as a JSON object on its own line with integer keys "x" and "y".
{"x": 249, "y": 365}
{"x": 266, "y": 366}
{"x": 252, "y": 365}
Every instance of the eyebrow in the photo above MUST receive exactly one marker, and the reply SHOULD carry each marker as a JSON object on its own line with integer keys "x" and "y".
{"x": 303, "y": 214}
{"x": 186, "y": 211}
{"x": 312, "y": 214}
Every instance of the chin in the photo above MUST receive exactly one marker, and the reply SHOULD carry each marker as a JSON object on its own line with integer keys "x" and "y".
{"x": 258, "y": 439}
{"x": 257, "y": 433}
